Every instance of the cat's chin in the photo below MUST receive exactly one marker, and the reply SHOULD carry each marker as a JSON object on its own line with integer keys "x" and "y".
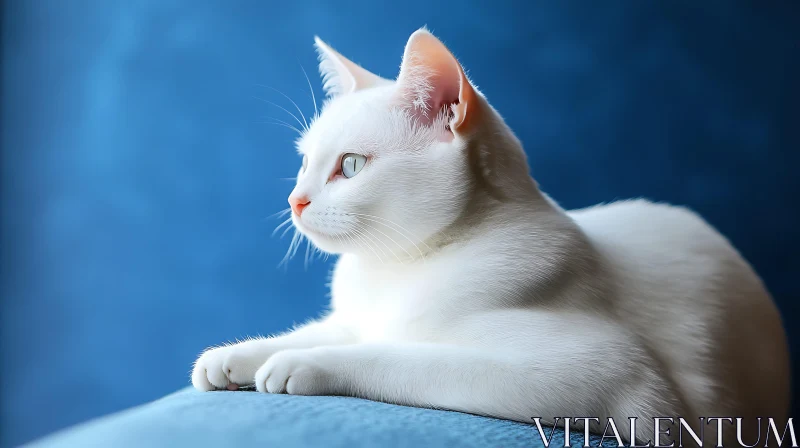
{"x": 326, "y": 244}
{"x": 323, "y": 241}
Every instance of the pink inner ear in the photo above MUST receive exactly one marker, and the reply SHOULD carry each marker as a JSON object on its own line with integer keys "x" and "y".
{"x": 442, "y": 92}
{"x": 430, "y": 77}
{"x": 439, "y": 100}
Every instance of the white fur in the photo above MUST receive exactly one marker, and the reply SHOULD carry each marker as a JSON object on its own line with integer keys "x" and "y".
{"x": 461, "y": 286}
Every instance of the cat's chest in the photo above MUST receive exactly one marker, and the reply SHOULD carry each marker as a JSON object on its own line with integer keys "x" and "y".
{"x": 385, "y": 304}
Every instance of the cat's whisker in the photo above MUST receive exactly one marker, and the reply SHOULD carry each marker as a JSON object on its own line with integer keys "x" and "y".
{"x": 354, "y": 241}
{"x": 279, "y": 121}
{"x": 308, "y": 246}
{"x": 345, "y": 239}
{"x": 287, "y": 221}
{"x": 280, "y": 214}
{"x": 374, "y": 219}
{"x": 299, "y": 243}
{"x": 422, "y": 255}
{"x": 319, "y": 253}
{"x": 292, "y": 101}
{"x": 368, "y": 229}
{"x": 389, "y": 223}
{"x": 286, "y": 257}
{"x": 294, "y": 241}
{"x": 284, "y": 124}
{"x": 339, "y": 239}
{"x": 430, "y": 249}
{"x": 362, "y": 238}
{"x": 313, "y": 97}
{"x": 373, "y": 239}
{"x": 348, "y": 238}
{"x": 366, "y": 243}
{"x": 369, "y": 226}
{"x": 285, "y": 110}
{"x": 287, "y": 230}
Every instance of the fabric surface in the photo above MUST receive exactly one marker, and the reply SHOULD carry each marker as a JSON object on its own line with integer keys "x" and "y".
{"x": 249, "y": 419}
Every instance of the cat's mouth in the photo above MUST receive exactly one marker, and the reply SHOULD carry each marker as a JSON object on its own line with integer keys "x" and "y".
{"x": 331, "y": 226}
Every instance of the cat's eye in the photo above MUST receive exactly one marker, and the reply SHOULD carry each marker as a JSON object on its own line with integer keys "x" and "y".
{"x": 352, "y": 164}
{"x": 305, "y": 163}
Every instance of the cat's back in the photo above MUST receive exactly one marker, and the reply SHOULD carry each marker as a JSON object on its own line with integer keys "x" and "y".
{"x": 684, "y": 288}
{"x": 661, "y": 250}
{"x": 648, "y": 225}
{"x": 654, "y": 242}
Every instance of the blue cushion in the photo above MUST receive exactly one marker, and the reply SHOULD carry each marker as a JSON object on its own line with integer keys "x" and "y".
{"x": 244, "y": 419}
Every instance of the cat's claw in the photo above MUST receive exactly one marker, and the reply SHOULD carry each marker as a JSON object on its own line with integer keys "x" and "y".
{"x": 295, "y": 372}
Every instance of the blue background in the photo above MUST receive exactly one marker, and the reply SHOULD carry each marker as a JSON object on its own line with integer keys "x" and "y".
{"x": 138, "y": 176}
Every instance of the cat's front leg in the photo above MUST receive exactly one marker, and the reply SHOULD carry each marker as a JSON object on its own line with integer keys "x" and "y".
{"x": 400, "y": 373}
{"x": 231, "y": 366}
{"x": 512, "y": 385}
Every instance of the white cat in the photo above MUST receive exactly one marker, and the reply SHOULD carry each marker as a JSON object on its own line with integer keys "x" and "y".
{"x": 462, "y": 286}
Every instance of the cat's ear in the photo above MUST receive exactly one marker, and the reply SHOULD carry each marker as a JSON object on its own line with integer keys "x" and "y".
{"x": 341, "y": 75}
{"x": 432, "y": 79}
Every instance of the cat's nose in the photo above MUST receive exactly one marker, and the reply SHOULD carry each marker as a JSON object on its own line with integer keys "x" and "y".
{"x": 298, "y": 204}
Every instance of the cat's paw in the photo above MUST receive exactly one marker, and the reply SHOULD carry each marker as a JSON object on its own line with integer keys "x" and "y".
{"x": 295, "y": 372}
{"x": 229, "y": 367}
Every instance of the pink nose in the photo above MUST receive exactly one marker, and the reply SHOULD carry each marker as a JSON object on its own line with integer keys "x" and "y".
{"x": 298, "y": 204}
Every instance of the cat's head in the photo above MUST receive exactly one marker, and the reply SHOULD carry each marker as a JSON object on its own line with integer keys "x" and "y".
{"x": 386, "y": 164}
